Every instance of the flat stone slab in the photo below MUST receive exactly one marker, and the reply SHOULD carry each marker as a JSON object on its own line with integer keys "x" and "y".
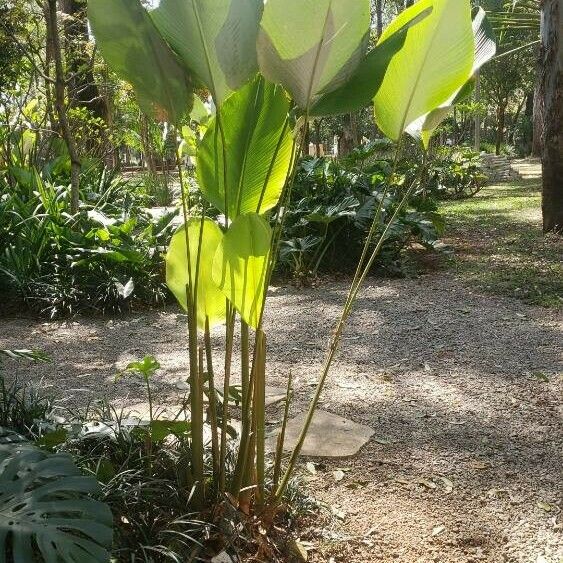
{"x": 275, "y": 395}
{"x": 329, "y": 435}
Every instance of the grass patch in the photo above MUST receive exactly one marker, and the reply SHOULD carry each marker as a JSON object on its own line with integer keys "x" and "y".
{"x": 500, "y": 247}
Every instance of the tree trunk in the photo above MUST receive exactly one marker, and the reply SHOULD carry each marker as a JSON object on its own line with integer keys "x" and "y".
{"x": 60, "y": 104}
{"x": 379, "y": 17}
{"x": 349, "y": 138}
{"x": 82, "y": 88}
{"x": 477, "y": 132}
{"x": 501, "y": 115}
{"x": 551, "y": 88}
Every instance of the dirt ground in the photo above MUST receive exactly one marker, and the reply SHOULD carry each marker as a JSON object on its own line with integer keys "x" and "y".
{"x": 463, "y": 391}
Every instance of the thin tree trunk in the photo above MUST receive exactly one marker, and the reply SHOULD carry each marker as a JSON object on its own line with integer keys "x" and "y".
{"x": 379, "y": 17}
{"x": 501, "y": 115}
{"x": 515, "y": 119}
{"x": 477, "y": 123}
{"x": 60, "y": 104}
{"x": 83, "y": 90}
{"x": 551, "y": 88}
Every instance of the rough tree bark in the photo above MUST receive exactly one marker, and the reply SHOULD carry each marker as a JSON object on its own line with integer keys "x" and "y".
{"x": 551, "y": 88}
{"x": 60, "y": 103}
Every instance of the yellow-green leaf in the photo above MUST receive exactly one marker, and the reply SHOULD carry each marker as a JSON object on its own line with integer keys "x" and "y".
{"x": 312, "y": 46}
{"x": 210, "y": 300}
{"x": 241, "y": 263}
{"x": 258, "y": 147}
{"x": 135, "y": 51}
{"x": 216, "y": 39}
{"x": 434, "y": 62}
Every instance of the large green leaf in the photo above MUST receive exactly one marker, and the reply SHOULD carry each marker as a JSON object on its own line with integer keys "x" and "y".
{"x": 485, "y": 50}
{"x": 46, "y": 512}
{"x": 258, "y": 147}
{"x": 241, "y": 264}
{"x": 434, "y": 62}
{"x": 216, "y": 39}
{"x": 135, "y": 51}
{"x": 312, "y": 46}
{"x": 210, "y": 301}
{"x": 361, "y": 87}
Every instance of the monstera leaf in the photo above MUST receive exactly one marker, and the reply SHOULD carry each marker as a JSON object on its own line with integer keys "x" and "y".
{"x": 46, "y": 511}
{"x": 243, "y": 167}
{"x": 215, "y": 39}
{"x": 210, "y": 301}
{"x": 241, "y": 263}
{"x": 312, "y": 46}
{"x": 485, "y": 50}
{"x": 136, "y": 52}
{"x": 434, "y": 63}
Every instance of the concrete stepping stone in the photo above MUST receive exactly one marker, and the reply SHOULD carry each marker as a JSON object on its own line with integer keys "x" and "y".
{"x": 329, "y": 435}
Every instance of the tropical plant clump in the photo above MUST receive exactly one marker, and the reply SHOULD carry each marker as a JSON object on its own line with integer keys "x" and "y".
{"x": 102, "y": 258}
{"x": 334, "y": 203}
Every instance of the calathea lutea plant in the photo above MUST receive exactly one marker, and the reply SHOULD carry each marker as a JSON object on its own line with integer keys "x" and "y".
{"x": 269, "y": 67}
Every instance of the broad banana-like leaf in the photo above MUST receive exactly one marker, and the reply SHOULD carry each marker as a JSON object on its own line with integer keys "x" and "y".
{"x": 46, "y": 511}
{"x": 434, "y": 62}
{"x": 485, "y": 50}
{"x": 210, "y": 301}
{"x": 241, "y": 264}
{"x": 215, "y": 39}
{"x": 360, "y": 89}
{"x": 135, "y": 51}
{"x": 258, "y": 147}
{"x": 312, "y": 47}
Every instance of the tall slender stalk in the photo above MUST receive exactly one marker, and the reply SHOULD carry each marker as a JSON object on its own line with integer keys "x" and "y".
{"x": 246, "y": 409}
{"x": 281, "y": 435}
{"x": 212, "y": 403}
{"x": 337, "y": 336}
{"x": 229, "y": 337}
{"x": 259, "y": 413}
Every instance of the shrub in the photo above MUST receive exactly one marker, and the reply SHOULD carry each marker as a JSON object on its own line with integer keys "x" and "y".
{"x": 454, "y": 173}
{"x": 335, "y": 202}
{"x": 103, "y": 258}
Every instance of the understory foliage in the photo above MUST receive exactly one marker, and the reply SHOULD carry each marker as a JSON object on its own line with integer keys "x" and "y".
{"x": 100, "y": 259}
{"x": 334, "y": 202}
{"x": 129, "y": 463}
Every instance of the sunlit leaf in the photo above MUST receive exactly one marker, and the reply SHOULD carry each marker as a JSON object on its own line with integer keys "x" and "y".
{"x": 361, "y": 87}
{"x": 241, "y": 263}
{"x": 258, "y": 146}
{"x": 434, "y": 62}
{"x": 485, "y": 50}
{"x": 210, "y": 301}
{"x": 312, "y": 46}
{"x": 136, "y": 52}
{"x": 216, "y": 39}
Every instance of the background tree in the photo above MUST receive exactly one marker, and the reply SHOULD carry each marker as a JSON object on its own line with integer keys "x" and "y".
{"x": 551, "y": 91}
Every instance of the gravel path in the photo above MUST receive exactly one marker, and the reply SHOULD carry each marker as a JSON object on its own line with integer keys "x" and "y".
{"x": 463, "y": 392}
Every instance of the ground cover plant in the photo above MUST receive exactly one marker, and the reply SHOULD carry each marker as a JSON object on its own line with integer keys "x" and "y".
{"x": 519, "y": 261}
